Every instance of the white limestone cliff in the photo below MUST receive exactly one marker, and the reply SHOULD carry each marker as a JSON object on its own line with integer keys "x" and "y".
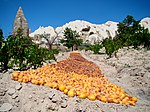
{"x": 88, "y": 31}
{"x": 146, "y": 23}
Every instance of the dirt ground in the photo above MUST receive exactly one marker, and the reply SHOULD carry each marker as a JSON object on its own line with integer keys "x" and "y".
{"x": 130, "y": 70}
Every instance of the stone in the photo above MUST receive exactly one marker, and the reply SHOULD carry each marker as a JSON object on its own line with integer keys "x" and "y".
{"x": 11, "y": 91}
{"x": 42, "y": 100}
{"x": 10, "y": 71}
{"x": 18, "y": 86}
{"x": 56, "y": 98}
{"x": 30, "y": 96}
{"x": 14, "y": 96}
{"x": 20, "y": 22}
{"x": 17, "y": 100}
{"x": 51, "y": 95}
{"x": 2, "y": 92}
{"x": 53, "y": 107}
{"x": 64, "y": 104}
{"x": 6, "y": 107}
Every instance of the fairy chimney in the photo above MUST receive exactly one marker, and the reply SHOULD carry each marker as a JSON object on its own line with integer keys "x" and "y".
{"x": 20, "y": 22}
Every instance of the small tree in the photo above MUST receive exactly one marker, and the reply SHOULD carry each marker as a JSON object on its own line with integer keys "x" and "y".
{"x": 18, "y": 51}
{"x": 50, "y": 39}
{"x": 4, "y": 54}
{"x": 16, "y": 46}
{"x": 95, "y": 48}
{"x": 109, "y": 46}
{"x": 71, "y": 39}
{"x": 131, "y": 33}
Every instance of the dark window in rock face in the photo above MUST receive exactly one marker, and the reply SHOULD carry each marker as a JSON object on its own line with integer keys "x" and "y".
{"x": 20, "y": 22}
{"x": 91, "y": 33}
{"x": 86, "y": 29}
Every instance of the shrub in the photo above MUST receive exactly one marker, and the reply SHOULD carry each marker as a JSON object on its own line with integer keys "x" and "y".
{"x": 109, "y": 46}
{"x": 95, "y": 48}
{"x": 18, "y": 51}
{"x": 129, "y": 33}
{"x": 71, "y": 39}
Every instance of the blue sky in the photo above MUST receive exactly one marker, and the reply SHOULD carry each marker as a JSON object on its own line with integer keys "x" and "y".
{"x": 58, "y": 12}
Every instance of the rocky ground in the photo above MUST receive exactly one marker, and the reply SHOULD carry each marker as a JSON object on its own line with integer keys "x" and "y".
{"x": 130, "y": 70}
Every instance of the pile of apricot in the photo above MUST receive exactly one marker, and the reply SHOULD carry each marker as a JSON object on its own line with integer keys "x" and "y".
{"x": 76, "y": 76}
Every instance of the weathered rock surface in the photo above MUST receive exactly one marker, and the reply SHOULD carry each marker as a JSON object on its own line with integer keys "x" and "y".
{"x": 5, "y": 107}
{"x": 18, "y": 86}
{"x": 11, "y": 91}
{"x": 20, "y": 22}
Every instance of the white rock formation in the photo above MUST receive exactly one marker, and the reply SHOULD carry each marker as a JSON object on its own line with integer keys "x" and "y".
{"x": 88, "y": 31}
{"x": 42, "y": 30}
{"x": 146, "y": 23}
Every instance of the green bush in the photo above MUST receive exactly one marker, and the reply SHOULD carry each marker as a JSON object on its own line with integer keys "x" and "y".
{"x": 18, "y": 51}
{"x": 109, "y": 46}
{"x": 71, "y": 39}
{"x": 129, "y": 33}
{"x": 95, "y": 48}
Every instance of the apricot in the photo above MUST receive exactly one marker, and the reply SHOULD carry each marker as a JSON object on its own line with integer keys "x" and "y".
{"x": 82, "y": 95}
{"x": 91, "y": 97}
{"x": 15, "y": 74}
{"x": 61, "y": 87}
{"x": 66, "y": 91}
{"x": 134, "y": 99}
{"x": 103, "y": 99}
{"x": 71, "y": 93}
{"x": 34, "y": 81}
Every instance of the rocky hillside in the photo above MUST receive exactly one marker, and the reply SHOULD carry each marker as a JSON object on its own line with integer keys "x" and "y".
{"x": 88, "y": 31}
{"x": 131, "y": 71}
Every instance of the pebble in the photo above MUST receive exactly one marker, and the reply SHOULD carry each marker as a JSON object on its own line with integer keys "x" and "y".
{"x": 14, "y": 96}
{"x": 51, "y": 95}
{"x": 2, "y": 92}
{"x": 10, "y": 71}
{"x": 11, "y": 91}
{"x": 56, "y": 98}
{"x": 42, "y": 100}
{"x": 17, "y": 100}
{"x": 30, "y": 96}
{"x": 6, "y": 107}
{"x": 18, "y": 86}
{"x": 64, "y": 104}
{"x": 53, "y": 107}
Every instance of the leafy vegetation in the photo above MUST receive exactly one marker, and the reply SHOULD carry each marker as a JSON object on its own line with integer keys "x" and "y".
{"x": 18, "y": 51}
{"x": 71, "y": 39}
{"x": 109, "y": 46}
{"x": 95, "y": 48}
{"x": 129, "y": 33}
